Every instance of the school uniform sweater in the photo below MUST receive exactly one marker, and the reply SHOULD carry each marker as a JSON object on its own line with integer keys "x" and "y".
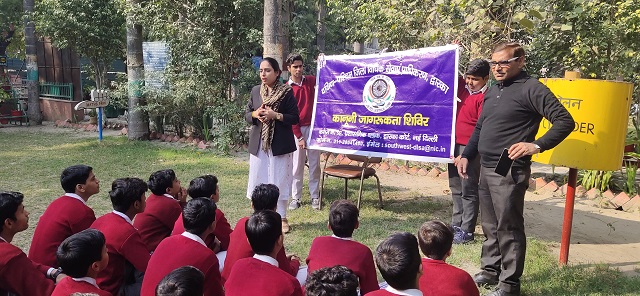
{"x": 177, "y": 251}
{"x": 469, "y": 109}
{"x": 124, "y": 244}
{"x": 328, "y": 251}
{"x": 239, "y": 248}
{"x": 222, "y": 231}
{"x": 64, "y": 217}
{"x": 157, "y": 220}
{"x": 68, "y": 286}
{"x": 19, "y": 275}
{"x": 304, "y": 94}
{"x": 251, "y": 276}
{"x": 441, "y": 279}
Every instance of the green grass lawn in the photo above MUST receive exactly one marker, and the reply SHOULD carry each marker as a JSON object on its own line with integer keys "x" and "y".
{"x": 32, "y": 162}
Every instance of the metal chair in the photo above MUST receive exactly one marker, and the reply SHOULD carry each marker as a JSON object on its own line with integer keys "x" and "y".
{"x": 348, "y": 172}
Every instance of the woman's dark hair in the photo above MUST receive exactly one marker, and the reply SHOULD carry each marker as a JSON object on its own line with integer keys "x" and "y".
{"x": 274, "y": 64}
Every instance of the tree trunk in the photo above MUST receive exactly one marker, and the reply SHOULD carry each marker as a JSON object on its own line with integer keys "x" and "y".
{"x": 271, "y": 31}
{"x": 321, "y": 28}
{"x": 33, "y": 101}
{"x": 287, "y": 8}
{"x": 138, "y": 121}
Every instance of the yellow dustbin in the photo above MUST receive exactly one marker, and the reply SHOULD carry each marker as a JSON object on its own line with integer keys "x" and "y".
{"x": 600, "y": 110}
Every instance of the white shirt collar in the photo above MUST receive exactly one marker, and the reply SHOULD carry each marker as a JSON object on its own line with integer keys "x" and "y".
{"x": 125, "y": 217}
{"x": 408, "y": 292}
{"x": 293, "y": 82}
{"x": 342, "y": 238}
{"x": 268, "y": 259}
{"x": 73, "y": 195}
{"x": 169, "y": 196}
{"x": 87, "y": 279}
{"x": 194, "y": 237}
{"x": 482, "y": 90}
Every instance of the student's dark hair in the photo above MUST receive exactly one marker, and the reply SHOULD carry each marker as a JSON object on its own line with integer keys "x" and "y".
{"x": 126, "y": 191}
{"x": 265, "y": 197}
{"x": 274, "y": 64}
{"x": 183, "y": 281}
{"x": 74, "y": 175}
{"x": 198, "y": 214}
{"x": 514, "y": 47}
{"x": 435, "y": 239}
{"x": 343, "y": 217}
{"x": 398, "y": 260}
{"x": 9, "y": 203}
{"x": 77, "y": 252}
{"x": 263, "y": 230}
{"x": 294, "y": 57}
{"x": 203, "y": 186}
{"x": 161, "y": 180}
{"x": 478, "y": 67}
{"x": 332, "y": 281}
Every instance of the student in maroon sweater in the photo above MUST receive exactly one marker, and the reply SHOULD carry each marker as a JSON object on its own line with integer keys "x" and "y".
{"x": 464, "y": 192}
{"x": 187, "y": 249}
{"x": 66, "y": 215}
{"x": 183, "y": 281}
{"x": 341, "y": 249}
{"x": 163, "y": 208}
{"x": 263, "y": 197}
{"x": 439, "y": 278}
{"x": 264, "y": 232}
{"x": 304, "y": 89}
{"x": 128, "y": 255}
{"x": 398, "y": 260}
{"x": 218, "y": 241}
{"x": 334, "y": 281}
{"x": 19, "y": 275}
{"x": 82, "y": 256}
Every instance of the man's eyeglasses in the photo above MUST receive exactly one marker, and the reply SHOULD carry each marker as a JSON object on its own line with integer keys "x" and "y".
{"x": 503, "y": 63}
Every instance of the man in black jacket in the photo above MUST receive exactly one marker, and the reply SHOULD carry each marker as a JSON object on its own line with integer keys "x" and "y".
{"x": 510, "y": 117}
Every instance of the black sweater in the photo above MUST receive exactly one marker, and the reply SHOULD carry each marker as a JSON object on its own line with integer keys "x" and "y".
{"x": 511, "y": 113}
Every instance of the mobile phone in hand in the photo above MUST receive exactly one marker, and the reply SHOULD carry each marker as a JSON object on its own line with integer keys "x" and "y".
{"x": 504, "y": 163}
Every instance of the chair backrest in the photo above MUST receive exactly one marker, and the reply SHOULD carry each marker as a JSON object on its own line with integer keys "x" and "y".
{"x": 364, "y": 159}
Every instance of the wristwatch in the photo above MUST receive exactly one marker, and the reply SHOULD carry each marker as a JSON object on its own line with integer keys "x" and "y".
{"x": 537, "y": 147}
{"x": 55, "y": 274}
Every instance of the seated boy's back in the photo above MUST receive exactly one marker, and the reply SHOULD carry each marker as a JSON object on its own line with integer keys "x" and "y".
{"x": 66, "y": 215}
{"x": 162, "y": 209}
{"x": 240, "y": 248}
{"x": 124, "y": 244}
{"x": 187, "y": 249}
{"x": 82, "y": 256}
{"x": 260, "y": 275}
{"x": 222, "y": 232}
{"x": 207, "y": 186}
{"x": 439, "y": 278}
{"x": 341, "y": 249}
{"x": 264, "y": 197}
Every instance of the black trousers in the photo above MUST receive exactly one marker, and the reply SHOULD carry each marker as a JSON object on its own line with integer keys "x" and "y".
{"x": 502, "y": 206}
{"x": 464, "y": 193}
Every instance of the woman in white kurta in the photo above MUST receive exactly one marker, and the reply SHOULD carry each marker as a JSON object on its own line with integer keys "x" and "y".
{"x": 271, "y": 111}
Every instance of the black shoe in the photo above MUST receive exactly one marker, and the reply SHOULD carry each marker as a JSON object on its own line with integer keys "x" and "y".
{"x": 483, "y": 281}
{"x": 500, "y": 292}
